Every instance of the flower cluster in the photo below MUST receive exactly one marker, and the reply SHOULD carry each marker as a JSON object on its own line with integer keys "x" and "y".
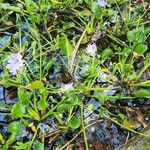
{"x": 15, "y": 63}
{"x": 102, "y": 3}
{"x": 91, "y": 49}
{"x": 68, "y": 86}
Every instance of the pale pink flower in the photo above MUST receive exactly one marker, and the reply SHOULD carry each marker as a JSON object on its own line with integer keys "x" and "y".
{"x": 68, "y": 86}
{"x": 15, "y": 63}
{"x": 91, "y": 49}
{"x": 102, "y": 3}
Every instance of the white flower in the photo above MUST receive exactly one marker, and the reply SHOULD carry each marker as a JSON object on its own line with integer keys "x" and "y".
{"x": 68, "y": 86}
{"x": 15, "y": 63}
{"x": 102, "y": 3}
{"x": 91, "y": 49}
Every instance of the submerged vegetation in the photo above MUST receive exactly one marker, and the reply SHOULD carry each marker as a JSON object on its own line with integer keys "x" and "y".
{"x": 74, "y": 74}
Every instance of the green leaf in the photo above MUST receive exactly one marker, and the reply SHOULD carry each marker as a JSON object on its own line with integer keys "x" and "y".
{"x": 141, "y": 48}
{"x": 15, "y": 127}
{"x": 122, "y": 116}
{"x": 127, "y": 68}
{"x": 68, "y": 25}
{"x": 147, "y": 30}
{"x": 1, "y": 138}
{"x": 90, "y": 27}
{"x": 64, "y": 106}
{"x": 6, "y": 6}
{"x": 35, "y": 33}
{"x": 42, "y": 104}
{"x": 143, "y": 93}
{"x": 18, "y": 110}
{"x": 34, "y": 48}
{"x": 24, "y": 96}
{"x": 131, "y": 36}
{"x": 22, "y": 146}
{"x": 106, "y": 53}
{"x": 31, "y": 6}
{"x": 126, "y": 51}
{"x": 33, "y": 114}
{"x": 68, "y": 104}
{"x": 35, "y": 85}
{"x": 38, "y": 145}
{"x": 65, "y": 45}
{"x": 49, "y": 64}
{"x": 74, "y": 122}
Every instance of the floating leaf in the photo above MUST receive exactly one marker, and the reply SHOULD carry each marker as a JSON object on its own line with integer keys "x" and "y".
{"x": 18, "y": 110}
{"x": 35, "y": 85}
{"x": 74, "y": 122}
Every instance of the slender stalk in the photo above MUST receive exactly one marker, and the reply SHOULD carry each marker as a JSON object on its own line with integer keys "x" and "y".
{"x": 83, "y": 127}
{"x": 129, "y": 129}
{"x": 33, "y": 139}
{"x": 73, "y": 56}
{"x": 97, "y": 121}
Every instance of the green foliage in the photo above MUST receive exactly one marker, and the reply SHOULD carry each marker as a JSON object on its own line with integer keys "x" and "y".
{"x": 74, "y": 122}
{"x": 22, "y": 146}
{"x": 24, "y": 96}
{"x": 35, "y": 85}
{"x": 18, "y": 110}
{"x": 106, "y": 53}
{"x": 141, "y": 48}
{"x": 7, "y": 6}
{"x": 46, "y": 33}
{"x": 33, "y": 113}
{"x": 15, "y": 128}
{"x": 143, "y": 93}
{"x": 65, "y": 46}
{"x": 38, "y": 145}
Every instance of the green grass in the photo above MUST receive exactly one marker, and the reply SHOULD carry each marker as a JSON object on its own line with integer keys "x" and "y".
{"x": 54, "y": 52}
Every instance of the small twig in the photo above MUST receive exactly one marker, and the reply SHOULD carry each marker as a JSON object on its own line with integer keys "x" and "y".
{"x": 126, "y": 142}
{"x": 50, "y": 134}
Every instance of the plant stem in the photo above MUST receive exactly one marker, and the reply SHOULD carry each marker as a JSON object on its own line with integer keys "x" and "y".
{"x": 97, "y": 121}
{"x": 84, "y": 132}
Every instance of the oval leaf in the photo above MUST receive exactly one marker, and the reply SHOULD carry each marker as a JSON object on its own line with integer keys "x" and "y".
{"x": 74, "y": 122}
{"x": 15, "y": 127}
{"x": 18, "y": 110}
{"x": 35, "y": 85}
{"x": 143, "y": 93}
